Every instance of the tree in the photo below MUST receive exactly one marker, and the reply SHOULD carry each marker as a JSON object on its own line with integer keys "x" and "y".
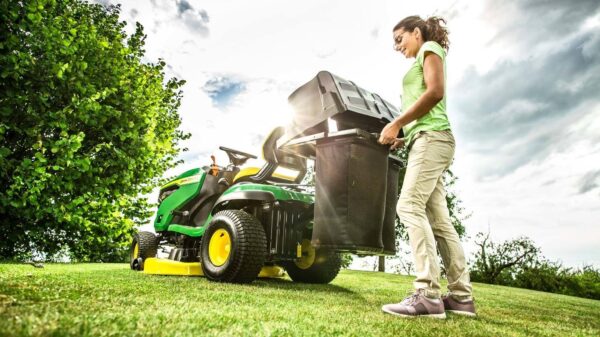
{"x": 86, "y": 127}
{"x": 519, "y": 263}
{"x": 496, "y": 263}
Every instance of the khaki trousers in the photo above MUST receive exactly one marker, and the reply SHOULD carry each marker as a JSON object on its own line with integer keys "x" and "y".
{"x": 423, "y": 210}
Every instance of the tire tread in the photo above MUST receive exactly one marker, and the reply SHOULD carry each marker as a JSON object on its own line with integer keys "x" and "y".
{"x": 250, "y": 248}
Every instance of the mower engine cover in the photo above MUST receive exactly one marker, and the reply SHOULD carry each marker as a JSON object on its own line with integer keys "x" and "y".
{"x": 329, "y": 96}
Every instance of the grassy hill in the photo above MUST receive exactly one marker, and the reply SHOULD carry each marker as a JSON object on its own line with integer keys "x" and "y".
{"x": 111, "y": 300}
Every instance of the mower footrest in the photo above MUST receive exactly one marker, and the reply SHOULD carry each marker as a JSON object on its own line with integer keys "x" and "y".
{"x": 170, "y": 267}
{"x": 158, "y": 266}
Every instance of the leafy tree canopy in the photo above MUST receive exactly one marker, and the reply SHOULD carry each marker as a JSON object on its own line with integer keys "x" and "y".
{"x": 519, "y": 263}
{"x": 495, "y": 262}
{"x": 86, "y": 127}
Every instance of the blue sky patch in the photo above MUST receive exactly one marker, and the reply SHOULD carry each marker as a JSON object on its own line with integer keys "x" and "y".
{"x": 222, "y": 90}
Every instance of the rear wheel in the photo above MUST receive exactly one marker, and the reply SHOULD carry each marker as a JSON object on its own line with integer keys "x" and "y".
{"x": 143, "y": 246}
{"x": 234, "y": 247}
{"x": 315, "y": 265}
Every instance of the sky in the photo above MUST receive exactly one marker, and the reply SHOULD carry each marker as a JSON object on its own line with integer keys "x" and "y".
{"x": 523, "y": 93}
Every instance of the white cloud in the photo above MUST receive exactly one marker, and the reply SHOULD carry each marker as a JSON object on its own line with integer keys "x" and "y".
{"x": 541, "y": 200}
{"x": 519, "y": 109}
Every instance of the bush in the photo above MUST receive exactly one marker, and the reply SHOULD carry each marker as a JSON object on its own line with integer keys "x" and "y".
{"x": 86, "y": 127}
{"x": 544, "y": 276}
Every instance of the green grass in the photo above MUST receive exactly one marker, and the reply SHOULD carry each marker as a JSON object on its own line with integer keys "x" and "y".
{"x": 111, "y": 300}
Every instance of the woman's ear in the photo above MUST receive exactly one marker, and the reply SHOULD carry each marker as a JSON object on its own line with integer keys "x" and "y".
{"x": 418, "y": 33}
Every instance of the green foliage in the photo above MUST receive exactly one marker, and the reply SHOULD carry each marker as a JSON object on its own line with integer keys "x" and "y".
{"x": 496, "y": 262}
{"x": 519, "y": 263}
{"x": 553, "y": 277}
{"x": 346, "y": 260}
{"x": 540, "y": 275}
{"x": 86, "y": 127}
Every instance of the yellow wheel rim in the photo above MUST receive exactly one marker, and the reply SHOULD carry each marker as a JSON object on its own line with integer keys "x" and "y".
{"x": 136, "y": 251}
{"x": 308, "y": 255}
{"x": 219, "y": 247}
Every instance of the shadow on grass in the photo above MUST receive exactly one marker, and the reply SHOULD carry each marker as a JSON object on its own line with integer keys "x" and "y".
{"x": 272, "y": 283}
{"x": 284, "y": 284}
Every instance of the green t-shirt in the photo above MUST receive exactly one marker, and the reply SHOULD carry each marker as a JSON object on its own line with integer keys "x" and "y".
{"x": 413, "y": 86}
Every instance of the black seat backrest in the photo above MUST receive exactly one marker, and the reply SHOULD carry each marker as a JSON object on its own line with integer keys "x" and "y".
{"x": 275, "y": 158}
{"x": 269, "y": 149}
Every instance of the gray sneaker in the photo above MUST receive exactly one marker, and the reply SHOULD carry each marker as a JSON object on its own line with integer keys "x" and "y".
{"x": 417, "y": 305}
{"x": 465, "y": 307}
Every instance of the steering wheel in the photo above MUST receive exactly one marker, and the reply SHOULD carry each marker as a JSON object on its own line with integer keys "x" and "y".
{"x": 236, "y": 157}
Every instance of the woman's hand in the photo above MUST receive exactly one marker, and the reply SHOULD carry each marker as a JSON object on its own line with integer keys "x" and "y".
{"x": 398, "y": 144}
{"x": 389, "y": 133}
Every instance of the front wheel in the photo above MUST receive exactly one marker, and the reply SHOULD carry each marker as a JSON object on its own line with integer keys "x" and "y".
{"x": 234, "y": 247}
{"x": 315, "y": 265}
{"x": 143, "y": 246}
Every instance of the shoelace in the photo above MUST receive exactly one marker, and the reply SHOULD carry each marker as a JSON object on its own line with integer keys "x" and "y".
{"x": 412, "y": 298}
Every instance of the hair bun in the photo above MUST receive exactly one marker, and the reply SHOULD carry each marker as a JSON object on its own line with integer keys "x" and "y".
{"x": 437, "y": 31}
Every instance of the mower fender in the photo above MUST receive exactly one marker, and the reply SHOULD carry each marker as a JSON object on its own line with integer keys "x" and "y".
{"x": 242, "y": 196}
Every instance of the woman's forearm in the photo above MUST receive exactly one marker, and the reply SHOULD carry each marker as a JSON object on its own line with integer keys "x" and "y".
{"x": 422, "y": 106}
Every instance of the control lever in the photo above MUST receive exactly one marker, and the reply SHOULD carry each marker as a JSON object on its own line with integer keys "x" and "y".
{"x": 214, "y": 169}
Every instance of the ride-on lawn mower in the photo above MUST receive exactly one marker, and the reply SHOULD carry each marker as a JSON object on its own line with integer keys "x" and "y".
{"x": 234, "y": 224}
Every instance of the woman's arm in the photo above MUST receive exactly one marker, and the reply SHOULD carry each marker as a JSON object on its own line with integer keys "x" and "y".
{"x": 433, "y": 73}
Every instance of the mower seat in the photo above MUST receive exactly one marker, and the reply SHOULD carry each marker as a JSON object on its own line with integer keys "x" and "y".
{"x": 279, "y": 166}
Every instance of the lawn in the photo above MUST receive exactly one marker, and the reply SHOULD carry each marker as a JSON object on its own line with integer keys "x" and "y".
{"x": 111, "y": 300}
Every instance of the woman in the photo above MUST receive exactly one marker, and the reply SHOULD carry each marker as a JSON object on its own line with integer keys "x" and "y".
{"x": 422, "y": 204}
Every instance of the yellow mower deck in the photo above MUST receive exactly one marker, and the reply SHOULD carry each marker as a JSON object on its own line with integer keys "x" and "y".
{"x": 157, "y": 266}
